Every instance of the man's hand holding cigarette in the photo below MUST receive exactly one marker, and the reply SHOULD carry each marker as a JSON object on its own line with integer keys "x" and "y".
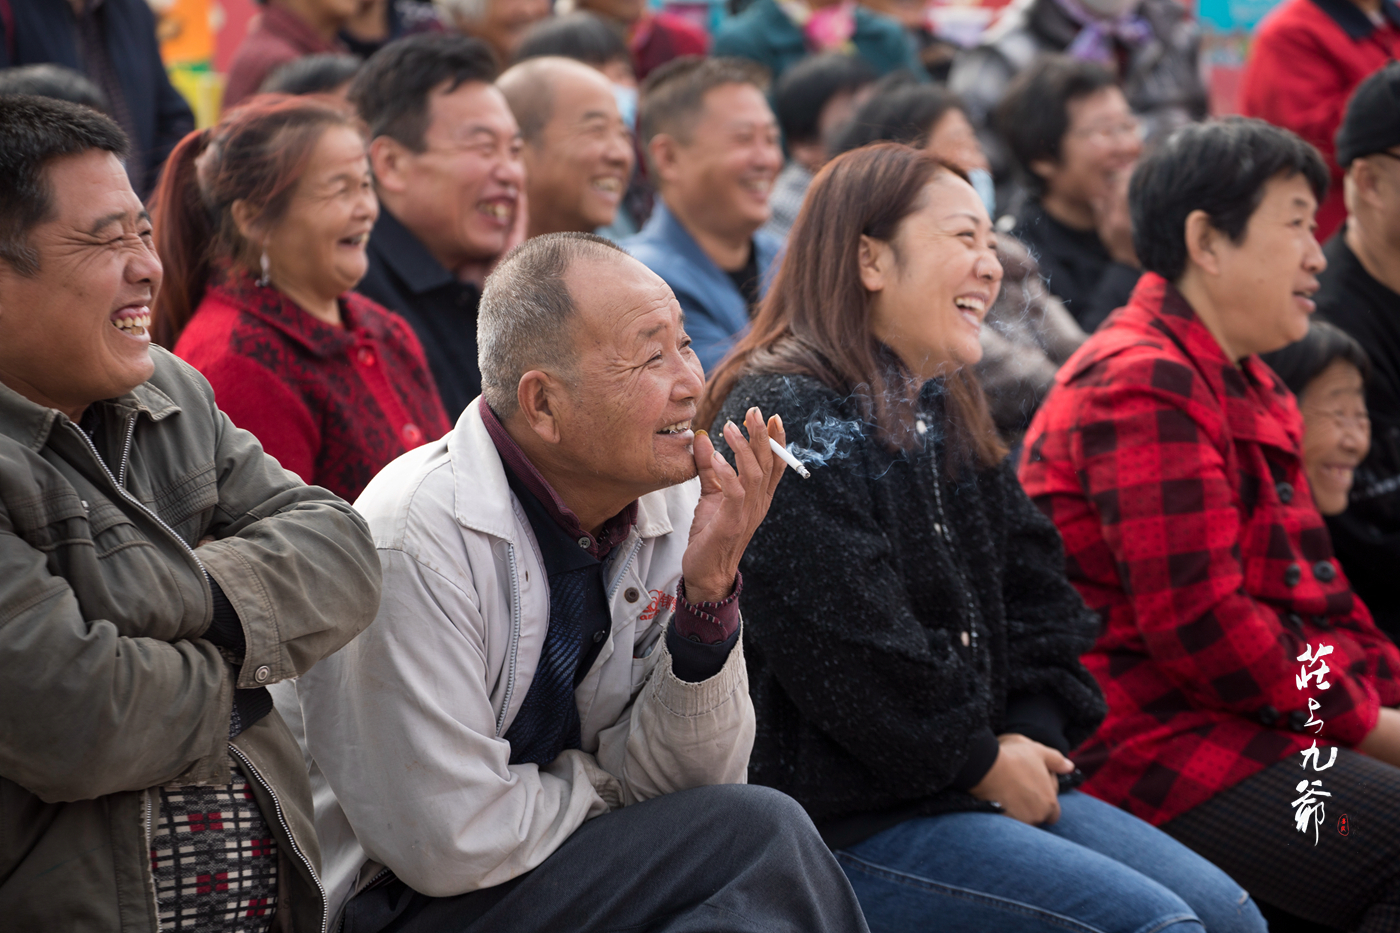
{"x": 731, "y": 504}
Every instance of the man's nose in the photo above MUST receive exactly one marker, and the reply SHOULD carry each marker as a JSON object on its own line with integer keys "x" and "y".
{"x": 144, "y": 266}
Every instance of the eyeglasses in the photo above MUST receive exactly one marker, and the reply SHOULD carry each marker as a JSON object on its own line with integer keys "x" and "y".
{"x": 1109, "y": 132}
{"x": 1344, "y": 420}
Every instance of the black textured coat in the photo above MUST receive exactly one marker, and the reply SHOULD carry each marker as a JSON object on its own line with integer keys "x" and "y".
{"x": 871, "y": 709}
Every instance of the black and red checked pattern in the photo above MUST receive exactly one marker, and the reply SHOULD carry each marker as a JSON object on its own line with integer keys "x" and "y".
{"x": 1177, "y": 483}
{"x": 214, "y": 858}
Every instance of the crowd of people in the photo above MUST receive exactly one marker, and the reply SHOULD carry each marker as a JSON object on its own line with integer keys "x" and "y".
{"x": 384, "y": 467}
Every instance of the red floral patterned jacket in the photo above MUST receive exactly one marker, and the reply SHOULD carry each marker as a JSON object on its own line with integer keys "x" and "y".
{"x": 1177, "y": 482}
{"x": 333, "y": 404}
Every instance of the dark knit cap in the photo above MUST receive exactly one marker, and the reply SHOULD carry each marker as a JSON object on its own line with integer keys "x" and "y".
{"x": 1372, "y": 121}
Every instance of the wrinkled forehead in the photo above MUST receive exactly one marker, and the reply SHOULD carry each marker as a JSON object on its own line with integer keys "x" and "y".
{"x": 620, "y": 302}
{"x": 89, "y": 191}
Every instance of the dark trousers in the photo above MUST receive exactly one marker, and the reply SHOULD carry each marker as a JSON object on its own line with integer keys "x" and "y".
{"x": 725, "y": 859}
{"x": 1350, "y": 882}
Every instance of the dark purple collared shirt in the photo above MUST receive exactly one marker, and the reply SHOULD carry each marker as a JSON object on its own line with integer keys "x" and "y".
{"x": 710, "y": 623}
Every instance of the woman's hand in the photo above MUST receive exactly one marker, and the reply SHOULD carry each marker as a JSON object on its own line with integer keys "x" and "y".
{"x": 1023, "y": 780}
{"x": 731, "y": 504}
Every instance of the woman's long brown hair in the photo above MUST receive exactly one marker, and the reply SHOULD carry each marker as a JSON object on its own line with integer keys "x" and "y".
{"x": 816, "y": 318}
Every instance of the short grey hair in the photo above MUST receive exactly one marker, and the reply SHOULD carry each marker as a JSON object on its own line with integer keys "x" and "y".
{"x": 524, "y": 318}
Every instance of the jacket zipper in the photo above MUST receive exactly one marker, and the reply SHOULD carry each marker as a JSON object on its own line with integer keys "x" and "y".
{"x": 146, "y": 809}
{"x": 121, "y": 488}
{"x": 617, "y": 580}
{"x": 277, "y": 805}
{"x": 514, "y": 638}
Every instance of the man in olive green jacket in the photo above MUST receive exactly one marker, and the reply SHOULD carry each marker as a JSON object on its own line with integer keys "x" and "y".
{"x": 157, "y": 572}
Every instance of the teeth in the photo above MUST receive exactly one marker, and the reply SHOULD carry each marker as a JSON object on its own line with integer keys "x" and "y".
{"x": 608, "y": 184}
{"x": 680, "y": 427}
{"x": 971, "y": 304}
{"x": 133, "y": 324}
{"x": 498, "y": 211}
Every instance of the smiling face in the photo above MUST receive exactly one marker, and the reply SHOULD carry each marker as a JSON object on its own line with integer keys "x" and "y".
{"x": 318, "y": 247}
{"x": 460, "y": 195}
{"x": 577, "y": 170}
{"x": 1336, "y": 433}
{"x": 637, "y": 381}
{"x": 721, "y": 177}
{"x": 75, "y": 331}
{"x": 1103, "y": 139}
{"x": 1265, "y": 283}
{"x": 932, "y": 286}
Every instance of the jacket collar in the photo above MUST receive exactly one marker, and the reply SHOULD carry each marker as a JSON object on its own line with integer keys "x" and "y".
{"x": 296, "y": 31}
{"x": 666, "y": 228}
{"x": 31, "y": 423}
{"x": 1257, "y": 405}
{"x": 407, "y": 256}
{"x": 237, "y": 286}
{"x": 482, "y": 498}
{"x": 1356, "y": 24}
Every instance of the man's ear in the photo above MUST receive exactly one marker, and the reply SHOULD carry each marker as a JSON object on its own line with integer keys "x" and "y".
{"x": 876, "y": 262}
{"x": 538, "y": 396}
{"x": 664, "y": 150}
{"x": 388, "y": 160}
{"x": 1044, "y": 169}
{"x": 1202, "y": 242}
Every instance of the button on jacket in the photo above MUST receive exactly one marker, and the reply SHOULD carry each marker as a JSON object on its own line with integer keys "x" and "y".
{"x": 1159, "y": 460}
{"x": 405, "y": 278}
{"x": 108, "y": 687}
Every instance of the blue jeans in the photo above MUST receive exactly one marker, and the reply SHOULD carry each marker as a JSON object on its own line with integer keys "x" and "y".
{"x": 1098, "y": 870}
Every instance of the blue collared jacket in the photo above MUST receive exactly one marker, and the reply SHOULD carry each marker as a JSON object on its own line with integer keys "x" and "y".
{"x": 715, "y": 311}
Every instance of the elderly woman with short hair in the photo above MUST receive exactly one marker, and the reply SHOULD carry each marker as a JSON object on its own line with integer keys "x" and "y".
{"x": 157, "y": 573}
{"x": 1170, "y": 458}
{"x": 262, "y": 222}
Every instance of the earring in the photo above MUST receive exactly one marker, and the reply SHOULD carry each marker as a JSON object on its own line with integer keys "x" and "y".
{"x": 266, "y": 279}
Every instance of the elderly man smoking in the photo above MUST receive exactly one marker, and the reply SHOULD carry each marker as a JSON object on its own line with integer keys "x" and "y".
{"x": 539, "y": 661}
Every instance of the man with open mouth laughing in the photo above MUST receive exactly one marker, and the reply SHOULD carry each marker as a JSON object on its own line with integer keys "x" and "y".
{"x": 447, "y": 168}
{"x": 548, "y": 726}
{"x": 158, "y": 571}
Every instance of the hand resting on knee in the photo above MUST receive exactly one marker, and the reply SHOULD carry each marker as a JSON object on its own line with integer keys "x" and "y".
{"x": 1023, "y": 779}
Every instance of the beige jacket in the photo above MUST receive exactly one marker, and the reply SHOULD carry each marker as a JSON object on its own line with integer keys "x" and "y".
{"x": 404, "y": 726}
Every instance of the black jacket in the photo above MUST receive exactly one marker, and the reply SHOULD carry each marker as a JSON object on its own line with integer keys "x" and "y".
{"x": 44, "y": 32}
{"x": 1076, "y": 266}
{"x": 405, "y": 278}
{"x": 1366, "y": 536}
{"x": 872, "y": 705}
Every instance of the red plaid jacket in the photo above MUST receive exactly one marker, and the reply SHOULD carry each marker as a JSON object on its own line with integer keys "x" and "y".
{"x": 1177, "y": 483}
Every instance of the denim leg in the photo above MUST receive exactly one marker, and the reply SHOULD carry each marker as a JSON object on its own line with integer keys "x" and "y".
{"x": 974, "y": 872}
{"x": 1222, "y": 905}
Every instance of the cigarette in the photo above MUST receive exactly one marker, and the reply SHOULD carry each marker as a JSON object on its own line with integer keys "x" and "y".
{"x": 789, "y": 459}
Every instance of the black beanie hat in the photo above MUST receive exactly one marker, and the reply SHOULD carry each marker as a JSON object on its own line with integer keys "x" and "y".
{"x": 1372, "y": 121}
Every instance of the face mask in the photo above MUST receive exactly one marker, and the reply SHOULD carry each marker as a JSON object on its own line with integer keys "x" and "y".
{"x": 986, "y": 189}
{"x": 626, "y": 98}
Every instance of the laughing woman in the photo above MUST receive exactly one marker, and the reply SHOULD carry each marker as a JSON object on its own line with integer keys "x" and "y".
{"x": 913, "y": 642}
{"x": 261, "y": 223}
